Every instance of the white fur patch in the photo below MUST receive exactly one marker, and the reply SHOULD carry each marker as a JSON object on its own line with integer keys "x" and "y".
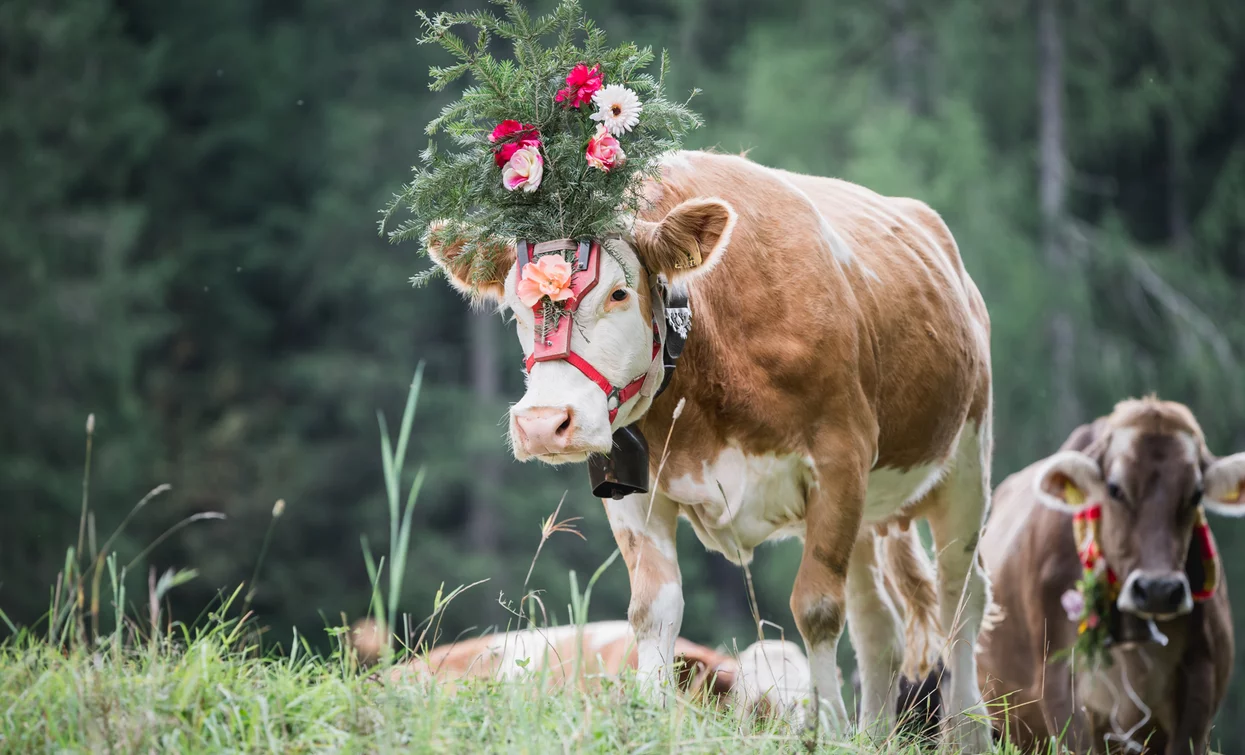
{"x": 890, "y": 490}
{"x": 740, "y": 501}
{"x": 777, "y": 672}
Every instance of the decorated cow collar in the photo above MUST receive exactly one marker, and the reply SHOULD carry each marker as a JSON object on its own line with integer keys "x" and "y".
{"x": 624, "y": 470}
{"x": 1092, "y": 602}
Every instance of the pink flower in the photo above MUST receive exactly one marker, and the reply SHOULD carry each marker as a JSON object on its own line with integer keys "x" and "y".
{"x": 1073, "y": 604}
{"x": 1092, "y": 621}
{"x": 581, "y": 83}
{"x": 604, "y": 153}
{"x": 513, "y": 136}
{"x": 550, "y": 276}
{"x": 524, "y": 169}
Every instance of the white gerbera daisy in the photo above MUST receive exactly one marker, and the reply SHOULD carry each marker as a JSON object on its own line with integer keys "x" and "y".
{"x": 618, "y": 108}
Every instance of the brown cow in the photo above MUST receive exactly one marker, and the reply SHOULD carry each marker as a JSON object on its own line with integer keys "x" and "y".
{"x": 836, "y": 377}
{"x": 1147, "y": 470}
{"x": 768, "y": 677}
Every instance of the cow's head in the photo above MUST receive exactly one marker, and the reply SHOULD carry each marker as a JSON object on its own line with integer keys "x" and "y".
{"x": 1149, "y": 469}
{"x": 563, "y": 415}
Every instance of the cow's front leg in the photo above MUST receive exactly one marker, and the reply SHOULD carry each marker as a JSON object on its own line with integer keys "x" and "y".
{"x": 819, "y": 600}
{"x": 644, "y": 528}
{"x": 1196, "y": 702}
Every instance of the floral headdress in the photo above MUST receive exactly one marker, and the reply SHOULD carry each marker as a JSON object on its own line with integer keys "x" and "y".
{"x": 548, "y": 145}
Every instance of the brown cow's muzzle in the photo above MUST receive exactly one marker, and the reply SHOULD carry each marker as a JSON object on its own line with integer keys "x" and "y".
{"x": 1156, "y": 595}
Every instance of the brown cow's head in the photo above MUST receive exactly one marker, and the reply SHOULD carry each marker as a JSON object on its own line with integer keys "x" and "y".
{"x": 564, "y": 416}
{"x": 1149, "y": 468}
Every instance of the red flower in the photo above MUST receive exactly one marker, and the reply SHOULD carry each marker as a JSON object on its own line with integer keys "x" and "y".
{"x": 514, "y": 136}
{"x": 581, "y": 83}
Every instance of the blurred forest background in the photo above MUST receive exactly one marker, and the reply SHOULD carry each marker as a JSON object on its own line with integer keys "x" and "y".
{"x": 188, "y": 249}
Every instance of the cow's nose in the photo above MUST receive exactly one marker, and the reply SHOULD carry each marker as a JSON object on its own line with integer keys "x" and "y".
{"x": 1161, "y": 595}
{"x": 545, "y": 429}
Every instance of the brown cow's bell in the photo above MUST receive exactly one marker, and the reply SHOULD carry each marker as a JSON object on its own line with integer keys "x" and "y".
{"x": 625, "y": 470}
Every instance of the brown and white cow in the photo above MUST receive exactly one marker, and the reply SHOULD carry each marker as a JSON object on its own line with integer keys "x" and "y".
{"x": 1147, "y": 470}
{"x": 836, "y": 378}
{"x": 767, "y": 678}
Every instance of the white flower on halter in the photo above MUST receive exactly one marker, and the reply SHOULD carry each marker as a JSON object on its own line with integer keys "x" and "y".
{"x": 618, "y": 108}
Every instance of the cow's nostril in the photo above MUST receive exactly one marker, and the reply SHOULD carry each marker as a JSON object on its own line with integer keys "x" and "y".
{"x": 565, "y": 427}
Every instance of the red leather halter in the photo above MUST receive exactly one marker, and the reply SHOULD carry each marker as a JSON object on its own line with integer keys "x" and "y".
{"x": 555, "y": 345}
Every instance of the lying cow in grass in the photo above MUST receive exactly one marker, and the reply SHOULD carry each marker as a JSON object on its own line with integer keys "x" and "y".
{"x": 836, "y": 377}
{"x": 769, "y": 678}
{"x": 1139, "y": 481}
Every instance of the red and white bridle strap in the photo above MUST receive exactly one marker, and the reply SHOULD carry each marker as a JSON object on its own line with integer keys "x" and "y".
{"x": 621, "y": 395}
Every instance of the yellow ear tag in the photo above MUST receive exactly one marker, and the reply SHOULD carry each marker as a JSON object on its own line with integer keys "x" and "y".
{"x": 1072, "y": 494}
{"x": 1235, "y": 495}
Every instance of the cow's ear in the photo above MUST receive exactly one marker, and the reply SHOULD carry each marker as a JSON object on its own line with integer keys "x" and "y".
{"x": 479, "y": 273}
{"x": 1224, "y": 483}
{"x": 689, "y": 241}
{"x": 1068, "y": 481}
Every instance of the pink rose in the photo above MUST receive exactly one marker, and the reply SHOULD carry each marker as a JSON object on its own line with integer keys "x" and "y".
{"x": 1073, "y": 604}
{"x": 1092, "y": 621}
{"x": 513, "y": 136}
{"x": 550, "y": 276}
{"x": 604, "y": 153}
{"x": 581, "y": 83}
{"x": 524, "y": 169}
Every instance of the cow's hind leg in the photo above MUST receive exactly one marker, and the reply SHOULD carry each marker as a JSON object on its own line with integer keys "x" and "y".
{"x": 963, "y": 591}
{"x": 819, "y": 597}
{"x": 874, "y": 627}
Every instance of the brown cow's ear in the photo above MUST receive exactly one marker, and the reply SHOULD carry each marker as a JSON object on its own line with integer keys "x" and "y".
{"x": 689, "y": 241}
{"x": 1069, "y": 481}
{"x": 479, "y": 275}
{"x": 1224, "y": 482}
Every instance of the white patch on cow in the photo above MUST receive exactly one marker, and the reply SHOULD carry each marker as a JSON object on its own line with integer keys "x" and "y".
{"x": 739, "y": 501}
{"x": 964, "y": 592}
{"x": 631, "y": 514}
{"x": 604, "y": 633}
{"x": 676, "y": 160}
{"x": 655, "y": 642}
{"x": 535, "y": 648}
{"x": 890, "y": 490}
{"x": 824, "y": 670}
{"x": 774, "y": 671}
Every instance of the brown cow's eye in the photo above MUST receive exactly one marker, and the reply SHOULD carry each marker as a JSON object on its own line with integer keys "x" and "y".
{"x": 619, "y": 295}
{"x": 1197, "y": 497}
{"x": 1114, "y": 491}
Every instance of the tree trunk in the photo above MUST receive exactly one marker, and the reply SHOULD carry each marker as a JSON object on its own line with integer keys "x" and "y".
{"x": 482, "y": 524}
{"x": 1052, "y": 192}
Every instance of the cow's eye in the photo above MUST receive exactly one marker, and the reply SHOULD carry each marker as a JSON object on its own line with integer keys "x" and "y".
{"x": 1114, "y": 491}
{"x": 620, "y": 294}
{"x": 1197, "y": 496}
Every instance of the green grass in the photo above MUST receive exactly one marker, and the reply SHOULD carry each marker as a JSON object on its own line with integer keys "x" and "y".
{"x": 202, "y": 696}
